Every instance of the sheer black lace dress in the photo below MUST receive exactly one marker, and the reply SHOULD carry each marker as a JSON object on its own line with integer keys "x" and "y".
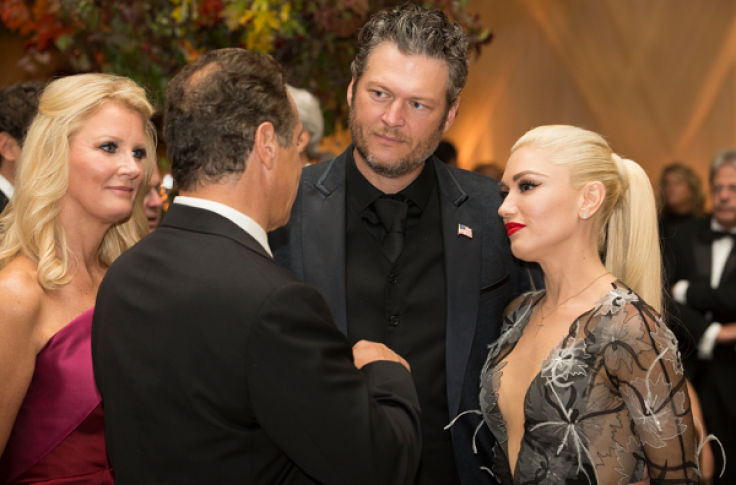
{"x": 609, "y": 399}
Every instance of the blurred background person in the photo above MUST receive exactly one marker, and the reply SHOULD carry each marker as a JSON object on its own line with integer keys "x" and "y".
{"x": 703, "y": 285}
{"x": 78, "y": 205}
{"x": 152, "y": 201}
{"x": 310, "y": 115}
{"x": 489, "y": 169}
{"x": 18, "y": 106}
{"x": 447, "y": 153}
{"x": 681, "y": 198}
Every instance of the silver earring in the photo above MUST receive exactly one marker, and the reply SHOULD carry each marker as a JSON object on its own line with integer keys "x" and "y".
{"x": 585, "y": 216}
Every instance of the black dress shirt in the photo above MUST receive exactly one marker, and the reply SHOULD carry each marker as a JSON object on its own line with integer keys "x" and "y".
{"x": 404, "y": 304}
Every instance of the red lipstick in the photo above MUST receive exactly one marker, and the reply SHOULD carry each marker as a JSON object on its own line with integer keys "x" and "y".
{"x": 513, "y": 227}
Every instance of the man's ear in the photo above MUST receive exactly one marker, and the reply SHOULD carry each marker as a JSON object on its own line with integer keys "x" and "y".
{"x": 350, "y": 93}
{"x": 265, "y": 144}
{"x": 9, "y": 147}
{"x": 591, "y": 198}
{"x": 451, "y": 114}
{"x": 304, "y": 138}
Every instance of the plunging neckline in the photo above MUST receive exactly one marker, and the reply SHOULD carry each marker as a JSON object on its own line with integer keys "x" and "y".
{"x": 502, "y": 364}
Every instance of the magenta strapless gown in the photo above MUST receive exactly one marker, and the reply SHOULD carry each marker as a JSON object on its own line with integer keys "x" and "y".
{"x": 58, "y": 437}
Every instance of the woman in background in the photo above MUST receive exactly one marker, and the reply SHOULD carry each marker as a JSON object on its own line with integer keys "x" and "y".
{"x": 585, "y": 384}
{"x": 77, "y": 206}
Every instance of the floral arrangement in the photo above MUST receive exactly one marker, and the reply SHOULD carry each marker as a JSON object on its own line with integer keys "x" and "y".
{"x": 150, "y": 40}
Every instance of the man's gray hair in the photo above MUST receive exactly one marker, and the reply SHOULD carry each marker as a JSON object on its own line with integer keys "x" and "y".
{"x": 310, "y": 114}
{"x": 416, "y": 32}
{"x": 724, "y": 157}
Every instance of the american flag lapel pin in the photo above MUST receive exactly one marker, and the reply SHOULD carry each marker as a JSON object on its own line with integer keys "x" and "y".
{"x": 465, "y": 231}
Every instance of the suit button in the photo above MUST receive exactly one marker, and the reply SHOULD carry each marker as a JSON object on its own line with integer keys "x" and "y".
{"x": 392, "y": 278}
{"x": 394, "y": 320}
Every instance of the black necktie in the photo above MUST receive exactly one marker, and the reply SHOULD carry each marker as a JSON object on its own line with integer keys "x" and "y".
{"x": 392, "y": 215}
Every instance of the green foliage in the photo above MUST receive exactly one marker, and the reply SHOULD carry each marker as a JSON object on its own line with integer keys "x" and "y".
{"x": 150, "y": 40}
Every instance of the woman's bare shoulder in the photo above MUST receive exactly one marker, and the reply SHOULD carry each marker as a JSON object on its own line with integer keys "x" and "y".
{"x": 21, "y": 295}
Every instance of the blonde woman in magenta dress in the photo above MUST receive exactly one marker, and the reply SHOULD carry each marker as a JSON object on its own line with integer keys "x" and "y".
{"x": 77, "y": 206}
{"x": 585, "y": 384}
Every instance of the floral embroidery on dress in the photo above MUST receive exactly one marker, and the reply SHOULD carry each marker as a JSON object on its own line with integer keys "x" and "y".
{"x": 609, "y": 400}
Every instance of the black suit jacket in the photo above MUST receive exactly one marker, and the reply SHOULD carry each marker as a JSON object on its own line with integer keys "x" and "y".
{"x": 481, "y": 276}
{"x": 692, "y": 250}
{"x": 217, "y": 365}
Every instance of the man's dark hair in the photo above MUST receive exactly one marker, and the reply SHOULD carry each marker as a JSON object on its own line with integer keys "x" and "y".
{"x": 213, "y": 108}
{"x": 416, "y": 32}
{"x": 18, "y": 107}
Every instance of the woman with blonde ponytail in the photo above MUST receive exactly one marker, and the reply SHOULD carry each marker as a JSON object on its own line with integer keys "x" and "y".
{"x": 77, "y": 206}
{"x": 585, "y": 383}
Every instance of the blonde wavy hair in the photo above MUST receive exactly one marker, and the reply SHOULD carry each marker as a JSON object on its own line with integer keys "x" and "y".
{"x": 626, "y": 222}
{"x": 30, "y": 224}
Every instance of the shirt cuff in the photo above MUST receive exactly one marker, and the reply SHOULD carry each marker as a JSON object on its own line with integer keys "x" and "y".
{"x": 679, "y": 291}
{"x": 708, "y": 341}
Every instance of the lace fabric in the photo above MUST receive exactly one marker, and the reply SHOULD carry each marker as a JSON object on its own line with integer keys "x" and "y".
{"x": 609, "y": 402}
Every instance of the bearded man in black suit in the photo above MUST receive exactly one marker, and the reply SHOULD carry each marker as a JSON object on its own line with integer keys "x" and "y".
{"x": 703, "y": 285}
{"x": 215, "y": 364}
{"x": 406, "y": 250}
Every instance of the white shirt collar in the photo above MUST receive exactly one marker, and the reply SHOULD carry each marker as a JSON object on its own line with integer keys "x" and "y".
{"x": 244, "y": 222}
{"x": 6, "y": 187}
{"x": 716, "y": 226}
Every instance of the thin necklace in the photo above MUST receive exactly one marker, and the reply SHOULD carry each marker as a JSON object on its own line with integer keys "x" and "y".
{"x": 541, "y": 313}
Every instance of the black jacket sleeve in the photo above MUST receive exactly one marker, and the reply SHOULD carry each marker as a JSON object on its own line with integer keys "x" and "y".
{"x": 338, "y": 424}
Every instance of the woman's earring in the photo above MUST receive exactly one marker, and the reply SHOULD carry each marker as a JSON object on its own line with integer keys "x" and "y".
{"x": 584, "y": 216}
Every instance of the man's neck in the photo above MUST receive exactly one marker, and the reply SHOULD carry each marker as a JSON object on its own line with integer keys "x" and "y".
{"x": 385, "y": 184}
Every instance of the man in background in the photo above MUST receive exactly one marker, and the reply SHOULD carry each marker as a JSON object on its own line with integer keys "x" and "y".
{"x": 310, "y": 116}
{"x": 703, "y": 285}
{"x": 18, "y": 107}
{"x": 152, "y": 202}
{"x": 215, "y": 364}
{"x": 406, "y": 250}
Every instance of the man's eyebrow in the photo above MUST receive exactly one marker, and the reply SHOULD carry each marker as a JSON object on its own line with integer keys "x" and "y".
{"x": 527, "y": 172}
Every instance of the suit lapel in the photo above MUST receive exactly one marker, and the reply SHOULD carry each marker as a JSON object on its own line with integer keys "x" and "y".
{"x": 730, "y": 266}
{"x": 323, "y": 230}
{"x": 462, "y": 274}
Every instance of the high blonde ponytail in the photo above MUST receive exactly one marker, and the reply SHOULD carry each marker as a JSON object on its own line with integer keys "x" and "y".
{"x": 631, "y": 235}
{"x": 627, "y": 220}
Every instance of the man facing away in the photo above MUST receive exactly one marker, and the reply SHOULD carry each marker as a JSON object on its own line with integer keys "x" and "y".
{"x": 405, "y": 250}
{"x": 703, "y": 285}
{"x": 18, "y": 107}
{"x": 234, "y": 372}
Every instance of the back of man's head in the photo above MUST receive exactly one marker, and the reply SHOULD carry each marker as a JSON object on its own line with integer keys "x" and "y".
{"x": 18, "y": 107}
{"x": 213, "y": 108}
{"x": 416, "y": 32}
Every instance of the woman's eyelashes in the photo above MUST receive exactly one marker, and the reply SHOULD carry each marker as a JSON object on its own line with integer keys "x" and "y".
{"x": 112, "y": 147}
{"x": 527, "y": 185}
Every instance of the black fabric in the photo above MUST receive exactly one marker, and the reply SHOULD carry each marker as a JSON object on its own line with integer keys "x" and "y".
{"x": 391, "y": 213}
{"x": 691, "y": 250}
{"x": 3, "y": 201}
{"x": 217, "y": 365}
{"x": 482, "y": 277}
{"x": 402, "y": 303}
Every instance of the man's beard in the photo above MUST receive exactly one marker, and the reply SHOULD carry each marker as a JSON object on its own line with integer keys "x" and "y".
{"x": 403, "y": 166}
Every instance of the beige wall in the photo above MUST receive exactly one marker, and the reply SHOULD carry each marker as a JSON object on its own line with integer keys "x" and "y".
{"x": 655, "y": 77}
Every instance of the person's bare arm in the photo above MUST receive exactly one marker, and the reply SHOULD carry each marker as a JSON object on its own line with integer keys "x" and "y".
{"x": 19, "y": 309}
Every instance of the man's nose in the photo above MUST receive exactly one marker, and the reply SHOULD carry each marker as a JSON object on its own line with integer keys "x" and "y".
{"x": 394, "y": 114}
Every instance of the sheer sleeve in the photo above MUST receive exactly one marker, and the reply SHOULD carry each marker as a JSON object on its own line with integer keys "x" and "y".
{"x": 653, "y": 387}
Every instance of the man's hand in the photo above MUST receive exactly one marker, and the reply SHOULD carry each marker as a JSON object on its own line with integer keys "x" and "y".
{"x": 365, "y": 352}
